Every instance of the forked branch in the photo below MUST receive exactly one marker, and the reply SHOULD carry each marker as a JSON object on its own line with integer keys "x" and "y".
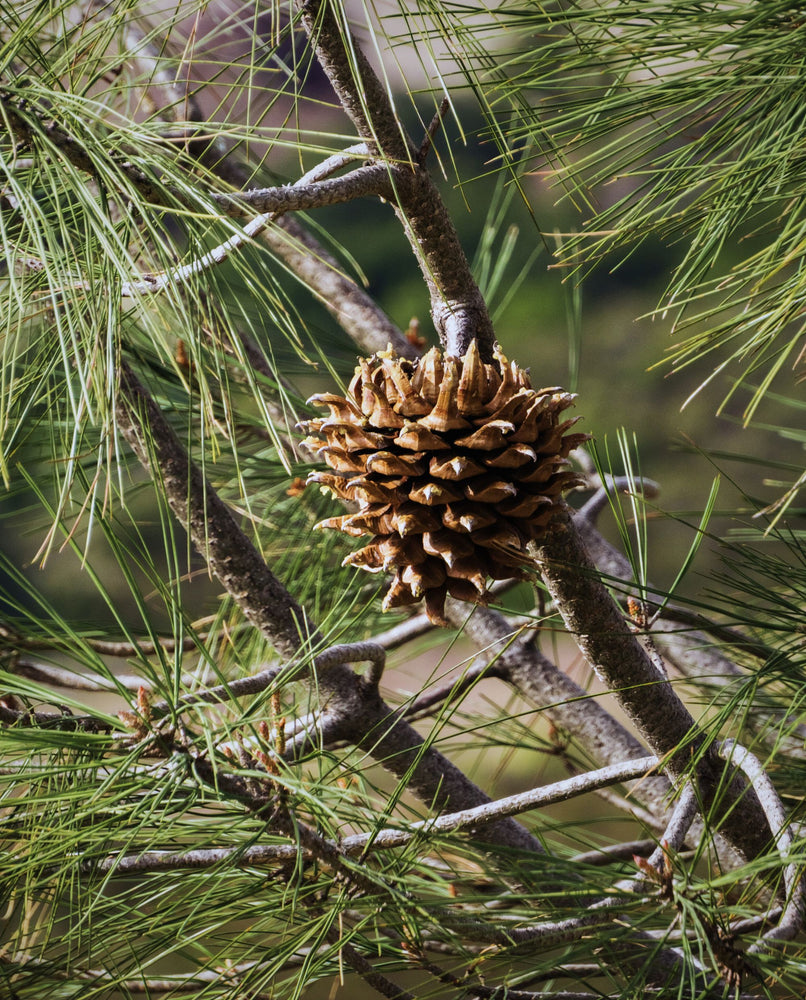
{"x": 364, "y": 717}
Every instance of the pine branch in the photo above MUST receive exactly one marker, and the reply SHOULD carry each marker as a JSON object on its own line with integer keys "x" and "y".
{"x": 351, "y": 306}
{"x": 792, "y": 918}
{"x": 209, "y": 522}
{"x": 691, "y": 650}
{"x": 360, "y": 844}
{"x": 257, "y": 683}
{"x": 301, "y": 196}
{"x": 60, "y": 721}
{"x": 363, "y": 716}
{"x": 623, "y": 664}
{"x": 367, "y": 971}
{"x": 47, "y": 673}
{"x": 356, "y": 312}
{"x": 272, "y": 202}
{"x": 572, "y": 709}
{"x": 457, "y": 306}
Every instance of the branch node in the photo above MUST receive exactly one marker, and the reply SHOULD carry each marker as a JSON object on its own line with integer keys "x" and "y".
{"x": 430, "y": 132}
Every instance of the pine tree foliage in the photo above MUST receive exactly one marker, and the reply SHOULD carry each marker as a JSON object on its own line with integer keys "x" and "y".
{"x": 663, "y": 119}
{"x": 217, "y": 778}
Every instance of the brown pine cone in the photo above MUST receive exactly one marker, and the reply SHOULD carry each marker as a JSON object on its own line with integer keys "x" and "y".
{"x": 454, "y": 466}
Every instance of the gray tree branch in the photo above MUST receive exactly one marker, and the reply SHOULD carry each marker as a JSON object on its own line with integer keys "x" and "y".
{"x": 457, "y": 306}
{"x": 303, "y": 254}
{"x": 685, "y": 638}
{"x": 792, "y": 917}
{"x": 389, "y": 838}
{"x": 568, "y": 706}
{"x": 623, "y": 664}
{"x": 231, "y": 556}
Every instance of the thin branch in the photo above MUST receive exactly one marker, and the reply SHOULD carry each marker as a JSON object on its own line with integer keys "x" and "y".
{"x": 230, "y": 974}
{"x": 355, "y": 652}
{"x": 683, "y": 815}
{"x": 46, "y": 673}
{"x": 673, "y": 837}
{"x": 431, "y": 131}
{"x": 209, "y": 857}
{"x": 208, "y": 520}
{"x": 791, "y": 922}
{"x": 32, "y": 126}
{"x": 668, "y": 965}
{"x": 601, "y": 856}
{"x": 358, "y": 314}
{"x": 512, "y": 805}
{"x": 507, "y": 993}
{"x": 749, "y": 925}
{"x": 63, "y": 721}
{"x": 301, "y": 196}
{"x": 141, "y": 647}
{"x": 272, "y": 202}
{"x": 355, "y": 309}
{"x": 388, "y": 838}
{"x": 519, "y": 662}
{"x": 333, "y": 164}
{"x": 367, "y": 971}
{"x": 352, "y": 307}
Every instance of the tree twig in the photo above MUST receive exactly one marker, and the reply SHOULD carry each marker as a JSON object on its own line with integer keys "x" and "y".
{"x": 47, "y": 673}
{"x": 389, "y": 838}
{"x": 614, "y": 852}
{"x": 271, "y": 202}
{"x": 431, "y": 131}
{"x": 791, "y": 921}
{"x": 302, "y": 254}
{"x": 285, "y": 673}
{"x": 520, "y": 663}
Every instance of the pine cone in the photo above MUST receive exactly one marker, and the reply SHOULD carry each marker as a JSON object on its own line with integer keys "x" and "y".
{"x": 454, "y": 466}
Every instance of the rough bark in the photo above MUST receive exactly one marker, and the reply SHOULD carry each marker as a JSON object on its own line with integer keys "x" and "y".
{"x": 595, "y": 620}
{"x": 267, "y": 605}
{"x": 458, "y": 308}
